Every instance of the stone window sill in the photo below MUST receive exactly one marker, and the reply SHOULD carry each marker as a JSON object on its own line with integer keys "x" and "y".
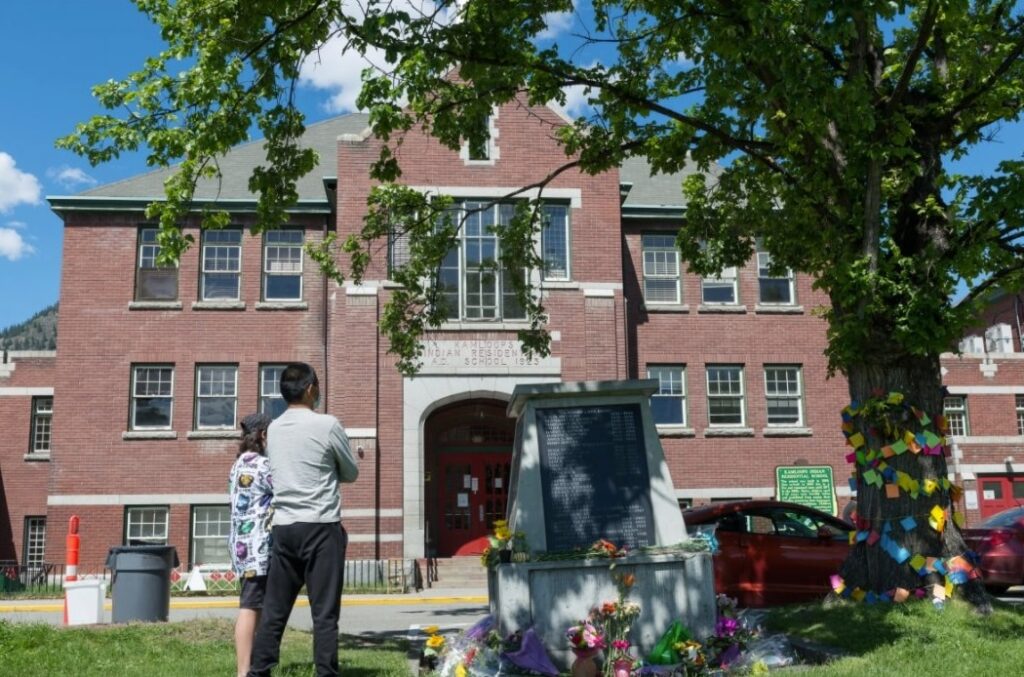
{"x": 36, "y": 458}
{"x": 214, "y": 434}
{"x": 218, "y": 305}
{"x": 513, "y": 325}
{"x": 778, "y": 310}
{"x": 559, "y": 284}
{"x": 149, "y": 435}
{"x": 154, "y": 305}
{"x": 787, "y": 432}
{"x": 724, "y": 308}
{"x": 282, "y": 305}
{"x": 729, "y": 432}
{"x": 668, "y": 308}
{"x": 675, "y": 431}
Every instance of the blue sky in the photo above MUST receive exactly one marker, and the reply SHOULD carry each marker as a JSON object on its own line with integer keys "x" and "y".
{"x": 53, "y": 51}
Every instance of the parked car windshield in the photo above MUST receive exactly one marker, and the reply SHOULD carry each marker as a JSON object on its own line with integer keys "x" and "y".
{"x": 1004, "y": 519}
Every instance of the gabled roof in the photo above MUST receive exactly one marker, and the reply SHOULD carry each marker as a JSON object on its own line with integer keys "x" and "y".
{"x": 647, "y": 195}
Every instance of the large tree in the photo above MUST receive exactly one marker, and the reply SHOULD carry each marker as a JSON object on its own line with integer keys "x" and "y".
{"x": 824, "y": 131}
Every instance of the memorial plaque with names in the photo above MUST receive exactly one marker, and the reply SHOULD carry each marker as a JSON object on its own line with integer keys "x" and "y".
{"x": 594, "y": 476}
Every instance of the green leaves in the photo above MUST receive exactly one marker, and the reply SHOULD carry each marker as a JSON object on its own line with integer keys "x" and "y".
{"x": 820, "y": 129}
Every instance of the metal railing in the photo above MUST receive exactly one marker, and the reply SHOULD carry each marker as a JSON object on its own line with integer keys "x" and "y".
{"x": 47, "y": 579}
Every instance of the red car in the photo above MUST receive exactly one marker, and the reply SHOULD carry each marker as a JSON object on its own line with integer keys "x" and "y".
{"x": 999, "y": 542}
{"x": 772, "y": 552}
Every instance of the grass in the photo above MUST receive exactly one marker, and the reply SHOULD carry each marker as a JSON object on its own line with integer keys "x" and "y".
{"x": 909, "y": 639}
{"x": 188, "y": 649}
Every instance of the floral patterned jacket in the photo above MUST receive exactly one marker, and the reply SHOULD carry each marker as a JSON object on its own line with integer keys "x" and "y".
{"x": 252, "y": 491}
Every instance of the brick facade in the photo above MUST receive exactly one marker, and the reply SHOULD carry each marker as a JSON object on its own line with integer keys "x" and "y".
{"x": 601, "y": 327}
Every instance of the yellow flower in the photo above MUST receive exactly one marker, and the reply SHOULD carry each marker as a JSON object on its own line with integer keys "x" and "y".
{"x": 460, "y": 670}
{"x": 431, "y": 629}
{"x": 500, "y": 523}
{"x": 435, "y": 642}
{"x": 502, "y": 533}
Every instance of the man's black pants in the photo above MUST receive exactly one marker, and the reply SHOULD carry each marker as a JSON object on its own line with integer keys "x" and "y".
{"x": 314, "y": 555}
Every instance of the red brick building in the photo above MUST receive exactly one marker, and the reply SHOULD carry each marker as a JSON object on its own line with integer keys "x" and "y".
{"x": 156, "y": 366}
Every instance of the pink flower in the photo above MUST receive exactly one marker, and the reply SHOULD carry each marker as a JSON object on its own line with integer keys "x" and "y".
{"x": 621, "y": 644}
{"x": 726, "y": 627}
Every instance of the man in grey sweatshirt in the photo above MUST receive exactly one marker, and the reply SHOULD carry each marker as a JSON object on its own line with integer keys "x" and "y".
{"x": 309, "y": 455}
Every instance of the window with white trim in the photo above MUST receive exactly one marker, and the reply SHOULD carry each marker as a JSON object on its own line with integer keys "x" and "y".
{"x": 1020, "y": 414}
{"x": 153, "y": 281}
{"x": 152, "y": 397}
{"x": 271, "y": 401}
{"x": 721, "y": 290}
{"x": 34, "y": 552}
{"x": 146, "y": 525}
{"x": 783, "y": 389}
{"x": 954, "y": 408}
{"x": 216, "y": 396}
{"x": 471, "y": 284}
{"x": 211, "y": 525}
{"x": 725, "y": 395}
{"x": 660, "y": 269}
{"x": 554, "y": 241}
{"x": 773, "y": 290}
{"x": 42, "y": 425}
{"x": 221, "y": 265}
{"x": 282, "y": 265}
{"x": 668, "y": 402}
{"x": 999, "y": 338}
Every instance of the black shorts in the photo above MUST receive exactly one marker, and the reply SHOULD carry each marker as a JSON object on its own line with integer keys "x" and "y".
{"x": 253, "y": 591}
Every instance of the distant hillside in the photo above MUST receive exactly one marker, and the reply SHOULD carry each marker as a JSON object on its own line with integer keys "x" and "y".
{"x": 39, "y": 332}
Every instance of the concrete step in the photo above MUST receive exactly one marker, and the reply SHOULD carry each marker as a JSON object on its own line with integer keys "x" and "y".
{"x": 460, "y": 572}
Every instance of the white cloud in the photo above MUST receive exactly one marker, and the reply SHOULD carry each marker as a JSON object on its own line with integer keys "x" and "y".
{"x": 13, "y": 246}
{"x": 16, "y": 187}
{"x": 556, "y": 24}
{"x": 19, "y": 225}
{"x": 70, "y": 177}
{"x": 339, "y": 70}
{"x": 575, "y": 100}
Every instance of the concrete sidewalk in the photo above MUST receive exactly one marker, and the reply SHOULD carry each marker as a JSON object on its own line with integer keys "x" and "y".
{"x": 446, "y": 596}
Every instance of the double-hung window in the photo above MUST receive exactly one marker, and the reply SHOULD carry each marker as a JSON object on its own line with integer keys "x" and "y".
{"x": 720, "y": 290}
{"x": 211, "y": 525}
{"x": 42, "y": 425}
{"x": 554, "y": 241}
{"x": 783, "y": 392}
{"x": 216, "y": 397}
{"x": 471, "y": 282}
{"x": 146, "y": 525}
{"x": 773, "y": 290}
{"x": 668, "y": 402}
{"x": 222, "y": 265}
{"x": 725, "y": 395}
{"x": 34, "y": 553}
{"x": 152, "y": 397}
{"x": 954, "y": 408}
{"x": 271, "y": 401}
{"x": 282, "y": 265}
{"x": 661, "y": 269}
{"x": 153, "y": 282}
{"x": 1020, "y": 414}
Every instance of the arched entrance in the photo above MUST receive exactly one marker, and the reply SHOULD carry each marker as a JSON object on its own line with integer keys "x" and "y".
{"x": 468, "y": 459}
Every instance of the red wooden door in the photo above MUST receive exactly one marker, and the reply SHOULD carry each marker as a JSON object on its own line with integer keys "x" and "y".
{"x": 999, "y": 493}
{"x": 473, "y": 494}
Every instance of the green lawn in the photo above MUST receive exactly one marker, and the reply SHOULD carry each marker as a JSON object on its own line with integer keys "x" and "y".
{"x": 911, "y": 640}
{"x": 188, "y": 649}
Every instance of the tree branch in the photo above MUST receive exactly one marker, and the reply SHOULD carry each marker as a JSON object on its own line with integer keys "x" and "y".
{"x": 923, "y": 36}
{"x": 989, "y": 82}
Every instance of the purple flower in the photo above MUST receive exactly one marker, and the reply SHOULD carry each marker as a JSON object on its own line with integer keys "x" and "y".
{"x": 726, "y": 627}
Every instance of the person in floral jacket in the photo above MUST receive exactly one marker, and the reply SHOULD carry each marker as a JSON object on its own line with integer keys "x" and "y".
{"x": 251, "y": 490}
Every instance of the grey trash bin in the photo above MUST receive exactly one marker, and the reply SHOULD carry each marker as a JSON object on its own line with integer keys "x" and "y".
{"x": 141, "y": 581}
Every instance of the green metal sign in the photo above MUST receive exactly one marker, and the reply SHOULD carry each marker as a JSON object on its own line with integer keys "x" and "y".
{"x": 810, "y": 485}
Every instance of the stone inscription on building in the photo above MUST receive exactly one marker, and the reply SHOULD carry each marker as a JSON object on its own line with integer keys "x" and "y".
{"x": 482, "y": 356}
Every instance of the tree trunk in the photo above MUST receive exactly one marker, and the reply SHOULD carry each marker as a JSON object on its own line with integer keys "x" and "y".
{"x": 870, "y": 567}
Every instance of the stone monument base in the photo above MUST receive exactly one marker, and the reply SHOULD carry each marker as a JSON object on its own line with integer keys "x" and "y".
{"x": 551, "y": 596}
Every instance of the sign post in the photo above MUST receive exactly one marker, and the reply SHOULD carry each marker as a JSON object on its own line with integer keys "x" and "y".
{"x": 810, "y": 485}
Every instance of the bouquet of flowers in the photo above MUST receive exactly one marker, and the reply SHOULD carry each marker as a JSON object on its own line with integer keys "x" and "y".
{"x": 585, "y": 635}
{"x": 731, "y": 635}
{"x": 497, "y": 542}
{"x": 618, "y": 617}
